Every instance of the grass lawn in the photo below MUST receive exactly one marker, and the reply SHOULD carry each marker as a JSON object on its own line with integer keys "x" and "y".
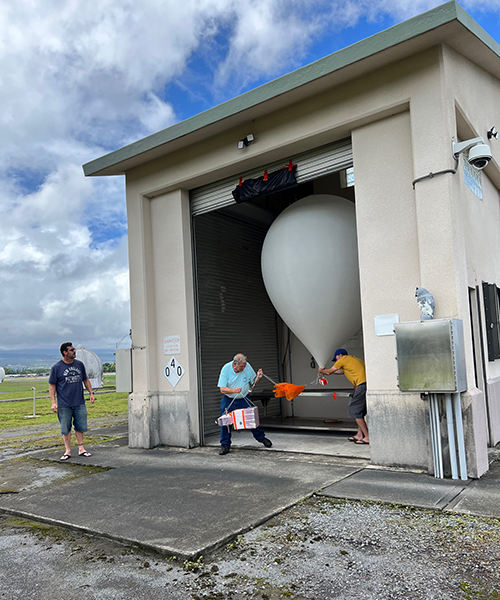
{"x": 13, "y": 414}
{"x": 21, "y": 387}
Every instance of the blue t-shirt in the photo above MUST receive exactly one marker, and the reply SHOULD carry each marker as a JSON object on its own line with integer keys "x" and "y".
{"x": 244, "y": 379}
{"x": 68, "y": 380}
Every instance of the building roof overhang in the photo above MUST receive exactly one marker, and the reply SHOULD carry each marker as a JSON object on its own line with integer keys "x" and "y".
{"x": 447, "y": 24}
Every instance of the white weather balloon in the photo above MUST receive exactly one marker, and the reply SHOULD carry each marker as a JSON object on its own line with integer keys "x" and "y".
{"x": 2, "y": 374}
{"x": 310, "y": 270}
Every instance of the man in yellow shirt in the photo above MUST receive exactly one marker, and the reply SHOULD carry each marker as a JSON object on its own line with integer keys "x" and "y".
{"x": 354, "y": 369}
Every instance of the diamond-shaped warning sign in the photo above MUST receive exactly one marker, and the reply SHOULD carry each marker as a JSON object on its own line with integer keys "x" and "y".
{"x": 173, "y": 372}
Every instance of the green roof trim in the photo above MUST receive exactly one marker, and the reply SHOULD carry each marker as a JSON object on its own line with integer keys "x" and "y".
{"x": 384, "y": 40}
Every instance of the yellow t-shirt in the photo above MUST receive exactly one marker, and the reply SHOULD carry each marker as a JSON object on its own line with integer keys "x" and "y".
{"x": 354, "y": 369}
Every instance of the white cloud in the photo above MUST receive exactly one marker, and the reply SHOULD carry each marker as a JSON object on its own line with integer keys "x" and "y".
{"x": 268, "y": 37}
{"x": 155, "y": 114}
{"x": 47, "y": 264}
{"x": 77, "y": 78}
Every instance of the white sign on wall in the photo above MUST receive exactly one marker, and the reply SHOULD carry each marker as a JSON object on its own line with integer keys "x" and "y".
{"x": 173, "y": 372}
{"x": 384, "y": 324}
{"x": 172, "y": 345}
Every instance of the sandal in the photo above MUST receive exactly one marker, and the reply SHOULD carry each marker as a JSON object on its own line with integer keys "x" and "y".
{"x": 65, "y": 457}
{"x": 85, "y": 454}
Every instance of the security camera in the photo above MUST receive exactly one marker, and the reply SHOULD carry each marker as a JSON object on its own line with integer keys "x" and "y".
{"x": 479, "y": 156}
{"x": 479, "y": 152}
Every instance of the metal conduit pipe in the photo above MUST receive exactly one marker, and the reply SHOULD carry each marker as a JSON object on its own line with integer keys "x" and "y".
{"x": 436, "y": 436}
{"x": 438, "y": 433}
{"x": 457, "y": 405}
{"x": 431, "y": 423}
{"x": 451, "y": 436}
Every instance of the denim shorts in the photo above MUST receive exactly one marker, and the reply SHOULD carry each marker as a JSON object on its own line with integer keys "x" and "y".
{"x": 72, "y": 416}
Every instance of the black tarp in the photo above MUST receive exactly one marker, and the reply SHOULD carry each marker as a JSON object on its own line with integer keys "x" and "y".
{"x": 269, "y": 183}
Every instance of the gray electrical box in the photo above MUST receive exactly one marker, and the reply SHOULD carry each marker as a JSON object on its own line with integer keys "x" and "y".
{"x": 431, "y": 356}
{"x": 123, "y": 362}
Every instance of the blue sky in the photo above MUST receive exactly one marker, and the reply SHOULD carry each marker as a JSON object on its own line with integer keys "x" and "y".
{"x": 80, "y": 79}
{"x": 199, "y": 69}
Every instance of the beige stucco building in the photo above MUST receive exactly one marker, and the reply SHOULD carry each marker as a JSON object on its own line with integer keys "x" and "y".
{"x": 389, "y": 107}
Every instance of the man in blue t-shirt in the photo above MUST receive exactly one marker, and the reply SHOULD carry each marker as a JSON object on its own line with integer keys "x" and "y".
{"x": 235, "y": 380}
{"x": 66, "y": 380}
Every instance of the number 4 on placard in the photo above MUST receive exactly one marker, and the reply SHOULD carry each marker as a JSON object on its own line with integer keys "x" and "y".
{"x": 173, "y": 372}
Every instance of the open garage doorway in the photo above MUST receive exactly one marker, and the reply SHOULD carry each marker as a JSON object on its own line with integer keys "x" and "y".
{"x": 235, "y": 315}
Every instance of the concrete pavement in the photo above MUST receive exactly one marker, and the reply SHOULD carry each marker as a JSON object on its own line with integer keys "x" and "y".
{"x": 186, "y": 502}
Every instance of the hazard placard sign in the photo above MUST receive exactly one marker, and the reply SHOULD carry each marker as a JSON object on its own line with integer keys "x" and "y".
{"x": 173, "y": 372}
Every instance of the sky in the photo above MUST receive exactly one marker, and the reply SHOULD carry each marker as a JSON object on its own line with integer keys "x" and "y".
{"x": 79, "y": 79}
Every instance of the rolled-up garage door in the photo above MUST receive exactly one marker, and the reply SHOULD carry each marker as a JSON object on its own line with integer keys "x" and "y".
{"x": 310, "y": 165}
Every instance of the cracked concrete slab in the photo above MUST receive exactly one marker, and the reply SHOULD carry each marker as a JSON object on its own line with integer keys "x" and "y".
{"x": 396, "y": 487}
{"x": 179, "y": 502}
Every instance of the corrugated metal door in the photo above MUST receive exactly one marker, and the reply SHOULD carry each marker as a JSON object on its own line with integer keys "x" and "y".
{"x": 234, "y": 310}
{"x": 310, "y": 165}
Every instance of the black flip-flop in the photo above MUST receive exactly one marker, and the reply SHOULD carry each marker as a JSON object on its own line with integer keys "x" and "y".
{"x": 85, "y": 454}
{"x": 65, "y": 457}
{"x": 352, "y": 439}
{"x": 361, "y": 442}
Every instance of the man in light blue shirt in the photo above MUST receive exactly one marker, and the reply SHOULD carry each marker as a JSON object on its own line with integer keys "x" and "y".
{"x": 235, "y": 381}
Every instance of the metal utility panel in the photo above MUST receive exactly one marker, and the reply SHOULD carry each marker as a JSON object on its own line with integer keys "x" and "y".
{"x": 123, "y": 363}
{"x": 431, "y": 356}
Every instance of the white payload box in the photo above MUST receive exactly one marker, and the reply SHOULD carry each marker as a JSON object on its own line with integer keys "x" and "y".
{"x": 241, "y": 418}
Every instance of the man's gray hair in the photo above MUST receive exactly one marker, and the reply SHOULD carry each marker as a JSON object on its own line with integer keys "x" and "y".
{"x": 239, "y": 359}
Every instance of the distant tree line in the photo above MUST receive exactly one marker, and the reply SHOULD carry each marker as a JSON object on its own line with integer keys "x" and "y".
{"x": 106, "y": 367}
{"x": 25, "y": 371}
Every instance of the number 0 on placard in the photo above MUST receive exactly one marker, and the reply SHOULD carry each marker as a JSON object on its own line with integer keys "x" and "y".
{"x": 173, "y": 372}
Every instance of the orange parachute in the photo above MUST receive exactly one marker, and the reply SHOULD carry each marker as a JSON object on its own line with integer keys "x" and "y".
{"x": 289, "y": 390}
